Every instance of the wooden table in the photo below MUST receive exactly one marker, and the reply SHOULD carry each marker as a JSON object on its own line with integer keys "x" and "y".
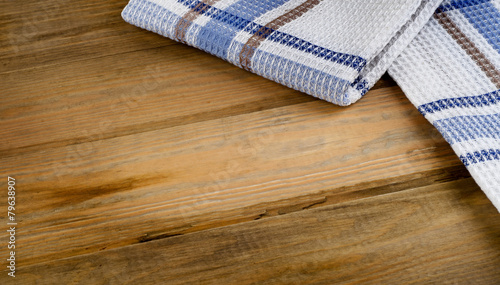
{"x": 139, "y": 160}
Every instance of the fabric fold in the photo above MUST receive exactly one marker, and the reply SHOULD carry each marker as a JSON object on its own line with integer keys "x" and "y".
{"x": 451, "y": 73}
{"x": 336, "y": 51}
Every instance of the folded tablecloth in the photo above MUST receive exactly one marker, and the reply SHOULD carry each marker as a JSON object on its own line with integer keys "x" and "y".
{"x": 336, "y": 50}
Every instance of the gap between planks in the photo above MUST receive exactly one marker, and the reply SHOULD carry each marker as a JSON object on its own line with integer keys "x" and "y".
{"x": 438, "y": 233}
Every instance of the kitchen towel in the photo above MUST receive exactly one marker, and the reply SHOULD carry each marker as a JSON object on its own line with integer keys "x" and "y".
{"x": 333, "y": 49}
{"x": 336, "y": 50}
{"x": 451, "y": 73}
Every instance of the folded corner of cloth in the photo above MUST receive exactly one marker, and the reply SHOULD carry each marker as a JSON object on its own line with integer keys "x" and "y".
{"x": 332, "y": 50}
{"x": 445, "y": 55}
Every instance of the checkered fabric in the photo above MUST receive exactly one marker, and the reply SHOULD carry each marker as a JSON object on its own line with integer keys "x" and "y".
{"x": 451, "y": 73}
{"x": 336, "y": 50}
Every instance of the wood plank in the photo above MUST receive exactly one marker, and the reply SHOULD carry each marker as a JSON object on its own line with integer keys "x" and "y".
{"x": 118, "y": 96}
{"x": 445, "y": 233}
{"x": 179, "y": 178}
{"x": 36, "y": 34}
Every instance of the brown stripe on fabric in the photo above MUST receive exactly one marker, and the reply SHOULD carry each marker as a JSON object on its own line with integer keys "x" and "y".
{"x": 469, "y": 47}
{"x": 188, "y": 19}
{"x": 257, "y": 38}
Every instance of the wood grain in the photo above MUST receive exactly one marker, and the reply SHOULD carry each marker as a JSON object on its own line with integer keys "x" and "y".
{"x": 121, "y": 140}
{"x": 59, "y": 31}
{"x": 439, "y": 234}
{"x": 178, "y": 176}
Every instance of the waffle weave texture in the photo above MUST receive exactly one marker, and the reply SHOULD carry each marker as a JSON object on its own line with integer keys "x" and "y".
{"x": 451, "y": 73}
{"x": 336, "y": 50}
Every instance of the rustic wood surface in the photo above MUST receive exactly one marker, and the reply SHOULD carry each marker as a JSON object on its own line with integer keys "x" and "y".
{"x": 139, "y": 160}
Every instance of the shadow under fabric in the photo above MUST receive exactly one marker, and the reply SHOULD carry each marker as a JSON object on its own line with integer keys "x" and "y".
{"x": 445, "y": 55}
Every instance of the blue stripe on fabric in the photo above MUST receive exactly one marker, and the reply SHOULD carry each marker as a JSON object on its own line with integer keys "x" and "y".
{"x": 465, "y": 128}
{"x": 480, "y": 156}
{"x": 287, "y": 72}
{"x": 486, "y": 19}
{"x": 487, "y": 99}
{"x": 300, "y": 77}
{"x": 361, "y": 85}
{"x": 459, "y": 4}
{"x": 218, "y": 34}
